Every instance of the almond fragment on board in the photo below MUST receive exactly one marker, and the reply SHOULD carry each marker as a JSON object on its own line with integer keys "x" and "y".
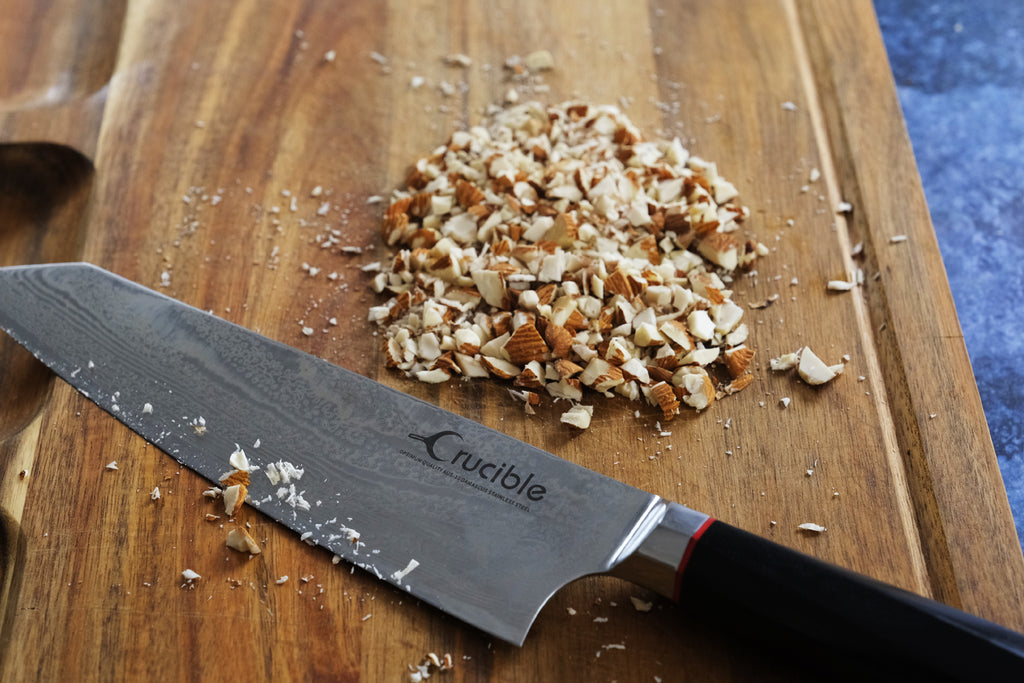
{"x": 240, "y": 540}
{"x": 737, "y": 360}
{"x": 578, "y": 416}
{"x": 813, "y": 370}
{"x": 539, "y": 60}
{"x": 431, "y": 663}
{"x": 434, "y": 376}
{"x": 641, "y": 605}
{"x": 458, "y": 59}
{"x": 738, "y": 384}
{"x": 786, "y": 361}
{"x": 189, "y": 577}
{"x": 841, "y": 285}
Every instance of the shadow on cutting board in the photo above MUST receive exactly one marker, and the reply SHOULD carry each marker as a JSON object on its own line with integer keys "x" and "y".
{"x": 44, "y": 196}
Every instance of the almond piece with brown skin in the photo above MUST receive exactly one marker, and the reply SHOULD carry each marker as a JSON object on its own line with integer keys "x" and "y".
{"x": 738, "y": 359}
{"x": 665, "y": 397}
{"x": 234, "y": 498}
{"x": 525, "y": 345}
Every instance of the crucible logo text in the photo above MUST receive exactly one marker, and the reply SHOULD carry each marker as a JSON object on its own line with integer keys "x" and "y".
{"x": 500, "y": 479}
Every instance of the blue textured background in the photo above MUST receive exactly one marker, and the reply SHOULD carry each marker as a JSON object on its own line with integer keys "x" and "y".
{"x": 959, "y": 71}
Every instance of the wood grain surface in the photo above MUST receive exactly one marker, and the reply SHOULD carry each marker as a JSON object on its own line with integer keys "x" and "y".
{"x": 170, "y": 137}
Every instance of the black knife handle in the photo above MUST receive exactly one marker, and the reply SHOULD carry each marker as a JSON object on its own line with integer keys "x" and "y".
{"x": 773, "y": 593}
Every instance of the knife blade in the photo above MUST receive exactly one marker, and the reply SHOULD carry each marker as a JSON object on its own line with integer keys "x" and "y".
{"x": 474, "y": 522}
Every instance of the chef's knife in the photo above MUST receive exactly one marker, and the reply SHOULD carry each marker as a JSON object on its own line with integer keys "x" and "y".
{"x": 474, "y": 522}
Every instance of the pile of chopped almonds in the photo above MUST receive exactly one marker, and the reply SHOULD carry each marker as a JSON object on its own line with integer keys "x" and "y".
{"x": 557, "y": 249}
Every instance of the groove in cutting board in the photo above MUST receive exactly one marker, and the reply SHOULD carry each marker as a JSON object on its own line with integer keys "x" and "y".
{"x": 951, "y": 469}
{"x": 872, "y": 370}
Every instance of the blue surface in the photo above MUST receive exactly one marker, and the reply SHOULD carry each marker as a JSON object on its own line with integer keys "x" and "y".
{"x": 959, "y": 71}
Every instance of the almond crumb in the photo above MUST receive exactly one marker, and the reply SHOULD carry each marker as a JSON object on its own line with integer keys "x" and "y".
{"x": 578, "y": 416}
{"x": 189, "y": 577}
{"x": 240, "y": 540}
{"x": 813, "y": 370}
{"x": 641, "y": 605}
{"x": 841, "y": 285}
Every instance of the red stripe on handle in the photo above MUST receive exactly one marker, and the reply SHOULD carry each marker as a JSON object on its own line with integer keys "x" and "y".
{"x": 686, "y": 556}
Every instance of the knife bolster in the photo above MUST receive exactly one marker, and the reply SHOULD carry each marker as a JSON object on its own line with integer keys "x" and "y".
{"x": 658, "y": 562}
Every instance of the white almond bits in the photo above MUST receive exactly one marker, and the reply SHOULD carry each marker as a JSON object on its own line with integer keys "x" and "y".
{"x": 240, "y": 540}
{"x": 555, "y": 248}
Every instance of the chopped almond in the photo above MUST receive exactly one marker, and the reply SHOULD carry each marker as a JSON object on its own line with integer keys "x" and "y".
{"x": 563, "y": 231}
{"x": 240, "y": 540}
{"x": 737, "y": 360}
{"x": 499, "y": 367}
{"x": 566, "y": 368}
{"x": 813, "y": 370}
{"x": 720, "y": 248}
{"x": 578, "y": 416}
{"x": 559, "y": 339}
{"x": 234, "y": 498}
{"x": 738, "y": 384}
{"x": 666, "y": 399}
{"x": 591, "y": 265}
{"x": 618, "y": 283}
{"x": 468, "y": 194}
{"x": 601, "y": 375}
{"x": 525, "y": 345}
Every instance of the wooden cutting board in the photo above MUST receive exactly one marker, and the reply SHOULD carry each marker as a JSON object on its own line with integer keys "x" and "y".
{"x": 171, "y": 137}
